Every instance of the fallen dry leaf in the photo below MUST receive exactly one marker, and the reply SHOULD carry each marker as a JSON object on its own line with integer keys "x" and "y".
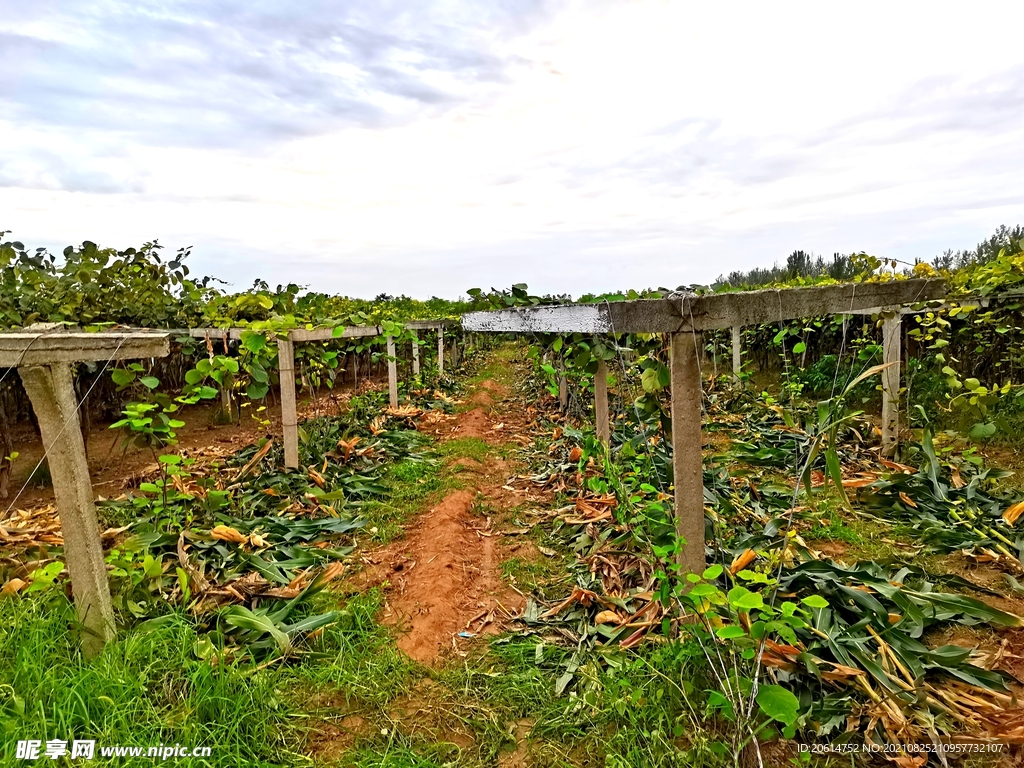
{"x": 227, "y": 533}
{"x": 742, "y": 561}
{"x": 1013, "y": 512}
{"x": 13, "y": 587}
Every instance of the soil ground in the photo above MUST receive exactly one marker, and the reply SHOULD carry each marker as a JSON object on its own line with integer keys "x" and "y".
{"x": 443, "y": 579}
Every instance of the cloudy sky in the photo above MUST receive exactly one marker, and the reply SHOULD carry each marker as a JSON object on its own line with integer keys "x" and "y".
{"x": 367, "y": 146}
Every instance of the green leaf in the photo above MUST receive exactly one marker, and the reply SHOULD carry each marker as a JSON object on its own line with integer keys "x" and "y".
{"x": 982, "y": 431}
{"x": 241, "y": 617}
{"x": 742, "y": 599}
{"x": 712, "y": 572}
{"x": 151, "y": 382}
{"x": 122, "y": 377}
{"x": 730, "y": 632}
{"x": 778, "y": 703}
{"x": 815, "y": 601}
{"x": 799, "y": 348}
{"x": 253, "y": 342}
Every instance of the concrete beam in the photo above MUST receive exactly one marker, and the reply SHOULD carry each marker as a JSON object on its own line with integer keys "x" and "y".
{"x": 328, "y": 334}
{"x": 701, "y": 313}
{"x": 51, "y": 346}
{"x": 429, "y": 325}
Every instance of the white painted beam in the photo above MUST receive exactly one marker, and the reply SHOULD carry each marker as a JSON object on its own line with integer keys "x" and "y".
{"x": 710, "y": 312}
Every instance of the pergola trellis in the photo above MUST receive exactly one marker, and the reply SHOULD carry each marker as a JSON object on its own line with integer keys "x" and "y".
{"x": 892, "y": 336}
{"x": 286, "y": 364}
{"x": 683, "y": 318}
{"x": 43, "y": 355}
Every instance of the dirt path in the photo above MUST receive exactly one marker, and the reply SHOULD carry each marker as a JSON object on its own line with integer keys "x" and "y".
{"x": 443, "y": 580}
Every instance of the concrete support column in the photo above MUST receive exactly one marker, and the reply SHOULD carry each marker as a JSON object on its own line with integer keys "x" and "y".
{"x": 289, "y": 414}
{"x": 892, "y": 337}
{"x": 601, "y": 403}
{"x": 687, "y": 467}
{"x": 392, "y": 372}
{"x": 52, "y": 392}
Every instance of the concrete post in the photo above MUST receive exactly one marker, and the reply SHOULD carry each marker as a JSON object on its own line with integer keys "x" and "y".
{"x": 601, "y": 403}
{"x": 289, "y": 414}
{"x": 892, "y": 336}
{"x": 440, "y": 351}
{"x": 392, "y": 372}
{"x": 51, "y": 390}
{"x": 225, "y": 401}
{"x": 563, "y": 385}
{"x": 415, "y": 354}
{"x": 687, "y": 467}
{"x": 737, "y": 350}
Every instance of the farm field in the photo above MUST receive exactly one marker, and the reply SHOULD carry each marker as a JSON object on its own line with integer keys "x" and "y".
{"x": 521, "y": 384}
{"x": 470, "y": 570}
{"x": 446, "y": 645}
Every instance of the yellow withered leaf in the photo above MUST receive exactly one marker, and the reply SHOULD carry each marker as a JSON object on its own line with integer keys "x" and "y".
{"x": 1013, "y": 512}
{"x": 742, "y": 561}
{"x": 317, "y": 478}
{"x": 13, "y": 587}
{"x": 607, "y": 617}
{"x": 227, "y": 533}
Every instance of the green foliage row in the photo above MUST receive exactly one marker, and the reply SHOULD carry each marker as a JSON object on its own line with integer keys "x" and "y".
{"x": 93, "y": 286}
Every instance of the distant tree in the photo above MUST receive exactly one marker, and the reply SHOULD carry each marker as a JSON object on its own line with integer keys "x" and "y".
{"x": 982, "y": 253}
{"x": 799, "y": 264}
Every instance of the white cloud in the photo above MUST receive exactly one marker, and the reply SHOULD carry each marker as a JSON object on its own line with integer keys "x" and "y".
{"x": 589, "y": 147}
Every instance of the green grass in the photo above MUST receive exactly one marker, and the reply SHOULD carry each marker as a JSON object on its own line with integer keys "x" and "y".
{"x": 148, "y": 688}
{"x": 411, "y": 485}
{"x": 499, "y": 366}
{"x": 465, "y": 448}
{"x": 362, "y": 667}
{"x": 523, "y": 574}
{"x": 835, "y": 530}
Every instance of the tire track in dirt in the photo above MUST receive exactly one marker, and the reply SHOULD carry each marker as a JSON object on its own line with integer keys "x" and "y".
{"x": 444, "y": 577}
